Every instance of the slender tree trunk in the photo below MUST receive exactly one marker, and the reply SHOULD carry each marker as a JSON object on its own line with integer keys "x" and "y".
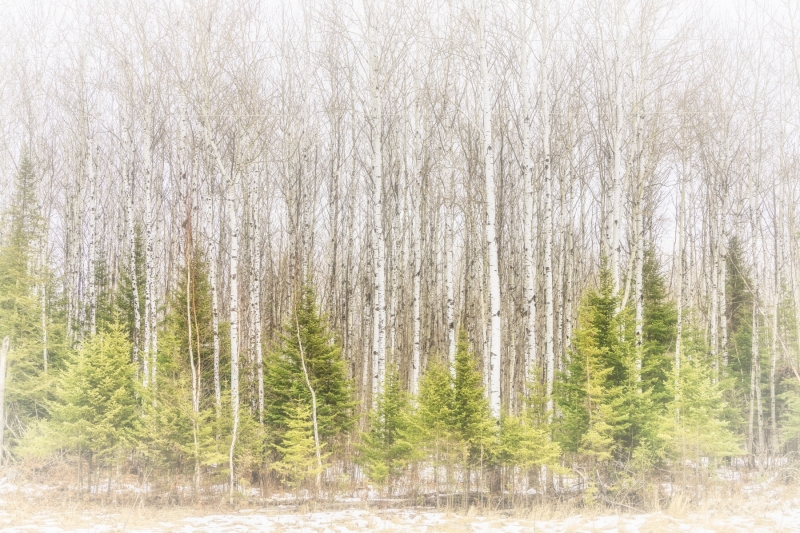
{"x": 416, "y": 235}
{"x": 92, "y": 281}
{"x": 616, "y": 177}
{"x": 132, "y": 269}
{"x": 639, "y": 244}
{"x": 527, "y": 178}
{"x": 234, "y": 319}
{"x": 549, "y": 339}
{"x": 491, "y": 239}
{"x": 379, "y": 275}
{"x": 449, "y": 278}
{"x": 149, "y": 262}
{"x": 679, "y": 303}
{"x": 317, "y": 446}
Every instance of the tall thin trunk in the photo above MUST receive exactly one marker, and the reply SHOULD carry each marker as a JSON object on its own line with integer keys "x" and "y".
{"x": 416, "y": 235}
{"x": 491, "y": 239}
{"x": 234, "y": 318}
{"x": 132, "y": 269}
{"x": 774, "y": 341}
{"x": 149, "y": 262}
{"x": 449, "y": 281}
{"x": 679, "y": 303}
{"x": 616, "y": 177}
{"x": 549, "y": 338}
{"x": 91, "y": 278}
{"x": 379, "y": 274}
{"x": 639, "y": 244}
{"x": 527, "y": 179}
{"x": 255, "y": 292}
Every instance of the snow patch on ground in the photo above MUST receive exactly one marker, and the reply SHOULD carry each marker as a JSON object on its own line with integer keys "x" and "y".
{"x": 395, "y": 520}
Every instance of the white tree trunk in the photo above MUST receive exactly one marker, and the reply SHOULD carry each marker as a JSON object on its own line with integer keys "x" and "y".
{"x": 129, "y": 194}
{"x": 91, "y": 281}
{"x": 639, "y": 244}
{"x": 233, "y": 223}
{"x": 379, "y": 274}
{"x": 527, "y": 178}
{"x": 616, "y": 176}
{"x": 547, "y": 174}
{"x": 416, "y": 235}
{"x": 149, "y": 305}
{"x": 491, "y": 239}
{"x": 449, "y": 275}
{"x": 255, "y": 291}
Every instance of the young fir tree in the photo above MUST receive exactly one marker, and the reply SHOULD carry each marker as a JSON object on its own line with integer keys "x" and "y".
{"x": 659, "y": 331}
{"x": 607, "y": 413}
{"x": 28, "y": 386}
{"x": 433, "y": 421}
{"x": 739, "y": 316}
{"x": 694, "y": 424}
{"x": 285, "y": 383}
{"x": 96, "y": 409}
{"x": 471, "y": 422}
{"x": 386, "y": 449}
{"x": 176, "y": 428}
{"x": 298, "y": 452}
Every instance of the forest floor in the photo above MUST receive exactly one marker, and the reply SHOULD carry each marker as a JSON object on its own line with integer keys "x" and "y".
{"x": 32, "y": 508}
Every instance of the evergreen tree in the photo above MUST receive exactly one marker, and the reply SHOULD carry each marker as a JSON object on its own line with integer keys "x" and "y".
{"x": 470, "y": 419}
{"x": 386, "y": 448}
{"x": 96, "y": 409}
{"x": 607, "y": 413}
{"x": 284, "y": 379}
{"x": 659, "y": 331}
{"x": 175, "y": 429}
{"x": 298, "y": 451}
{"x": 28, "y": 388}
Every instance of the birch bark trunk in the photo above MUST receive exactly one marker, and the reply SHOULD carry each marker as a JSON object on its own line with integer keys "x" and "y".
{"x": 527, "y": 178}
{"x": 129, "y": 194}
{"x": 234, "y": 318}
{"x": 379, "y": 274}
{"x": 548, "y": 221}
{"x": 491, "y": 239}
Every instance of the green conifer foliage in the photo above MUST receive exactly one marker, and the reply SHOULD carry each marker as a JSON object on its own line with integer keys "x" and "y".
{"x": 298, "y": 452}
{"x": 588, "y": 396}
{"x": 28, "y": 389}
{"x": 97, "y": 409}
{"x": 471, "y": 422}
{"x": 176, "y": 431}
{"x": 123, "y": 299}
{"x": 660, "y": 322}
{"x": 386, "y": 448}
{"x": 285, "y": 383}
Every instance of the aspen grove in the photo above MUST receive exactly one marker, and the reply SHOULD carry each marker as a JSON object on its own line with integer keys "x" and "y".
{"x": 457, "y": 251}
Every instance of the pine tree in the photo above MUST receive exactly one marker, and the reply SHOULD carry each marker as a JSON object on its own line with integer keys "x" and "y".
{"x": 660, "y": 322}
{"x": 470, "y": 418}
{"x": 96, "y": 409}
{"x": 298, "y": 453}
{"x": 28, "y": 387}
{"x": 386, "y": 448}
{"x": 284, "y": 379}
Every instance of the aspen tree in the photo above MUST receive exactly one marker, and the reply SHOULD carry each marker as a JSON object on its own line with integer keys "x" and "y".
{"x": 495, "y": 329}
{"x": 547, "y": 172}
{"x": 376, "y": 175}
{"x": 527, "y": 178}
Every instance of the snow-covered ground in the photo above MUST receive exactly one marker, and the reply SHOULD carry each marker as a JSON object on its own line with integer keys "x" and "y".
{"x": 784, "y": 517}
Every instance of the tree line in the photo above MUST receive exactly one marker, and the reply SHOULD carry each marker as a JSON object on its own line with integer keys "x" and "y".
{"x": 450, "y": 249}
